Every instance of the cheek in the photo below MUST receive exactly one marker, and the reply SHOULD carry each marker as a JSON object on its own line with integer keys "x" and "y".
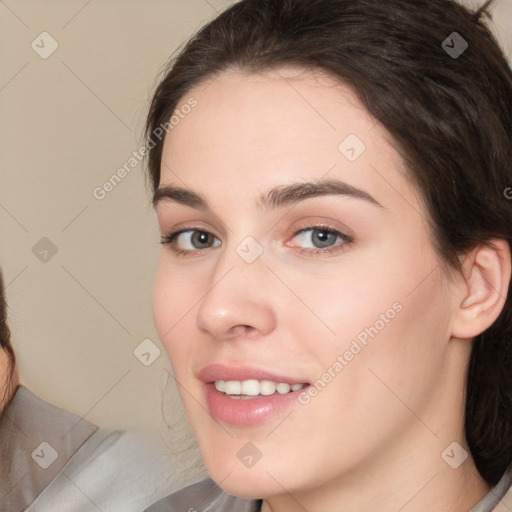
{"x": 173, "y": 297}
{"x": 162, "y": 300}
{"x": 382, "y": 298}
{"x": 337, "y": 304}
{"x": 395, "y": 335}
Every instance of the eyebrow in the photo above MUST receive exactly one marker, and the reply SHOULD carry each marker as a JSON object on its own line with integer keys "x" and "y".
{"x": 282, "y": 195}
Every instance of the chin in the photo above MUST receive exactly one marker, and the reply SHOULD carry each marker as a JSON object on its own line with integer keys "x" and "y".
{"x": 249, "y": 488}
{"x": 247, "y": 484}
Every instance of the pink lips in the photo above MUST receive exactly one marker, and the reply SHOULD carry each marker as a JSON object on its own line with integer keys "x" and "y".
{"x": 213, "y": 372}
{"x": 240, "y": 412}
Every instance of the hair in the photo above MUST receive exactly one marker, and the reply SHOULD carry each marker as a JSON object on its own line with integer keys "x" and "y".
{"x": 450, "y": 118}
{"x": 7, "y": 382}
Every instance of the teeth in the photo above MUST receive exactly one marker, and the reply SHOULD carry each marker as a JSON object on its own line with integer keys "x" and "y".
{"x": 252, "y": 387}
{"x": 267, "y": 387}
{"x": 283, "y": 388}
{"x": 233, "y": 387}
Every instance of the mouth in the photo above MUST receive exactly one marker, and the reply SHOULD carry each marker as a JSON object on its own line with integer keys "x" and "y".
{"x": 245, "y": 396}
{"x": 248, "y": 389}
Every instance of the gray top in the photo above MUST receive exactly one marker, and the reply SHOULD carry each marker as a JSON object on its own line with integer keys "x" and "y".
{"x": 207, "y": 496}
{"x": 54, "y": 461}
{"x": 33, "y": 452}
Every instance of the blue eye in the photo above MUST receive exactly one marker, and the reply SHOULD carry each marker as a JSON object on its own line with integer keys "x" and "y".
{"x": 321, "y": 239}
{"x": 198, "y": 240}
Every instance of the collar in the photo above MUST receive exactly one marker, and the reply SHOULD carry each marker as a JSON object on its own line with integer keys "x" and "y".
{"x": 37, "y": 439}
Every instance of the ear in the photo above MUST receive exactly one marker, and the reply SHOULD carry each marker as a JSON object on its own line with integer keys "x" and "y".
{"x": 486, "y": 279}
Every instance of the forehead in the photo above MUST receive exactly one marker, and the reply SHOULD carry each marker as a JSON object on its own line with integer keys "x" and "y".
{"x": 273, "y": 110}
{"x": 250, "y": 130}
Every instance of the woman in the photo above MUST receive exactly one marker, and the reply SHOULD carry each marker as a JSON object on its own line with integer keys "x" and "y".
{"x": 53, "y": 460}
{"x": 333, "y": 287}
{"x": 9, "y": 379}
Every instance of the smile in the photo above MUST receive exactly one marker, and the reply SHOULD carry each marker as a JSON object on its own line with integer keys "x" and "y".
{"x": 246, "y": 389}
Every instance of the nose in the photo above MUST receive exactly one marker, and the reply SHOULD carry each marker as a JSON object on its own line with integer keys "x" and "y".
{"x": 236, "y": 303}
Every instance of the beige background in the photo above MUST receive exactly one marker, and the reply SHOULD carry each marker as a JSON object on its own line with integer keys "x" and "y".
{"x": 68, "y": 123}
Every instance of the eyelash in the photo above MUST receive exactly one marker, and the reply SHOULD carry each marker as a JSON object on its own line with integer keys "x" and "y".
{"x": 346, "y": 240}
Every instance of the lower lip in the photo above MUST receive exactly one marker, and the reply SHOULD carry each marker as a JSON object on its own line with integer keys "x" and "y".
{"x": 246, "y": 413}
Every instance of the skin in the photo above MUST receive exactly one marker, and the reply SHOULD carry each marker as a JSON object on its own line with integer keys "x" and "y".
{"x": 7, "y": 389}
{"x": 376, "y": 432}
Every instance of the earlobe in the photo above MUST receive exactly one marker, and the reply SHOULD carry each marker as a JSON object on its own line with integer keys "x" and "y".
{"x": 487, "y": 274}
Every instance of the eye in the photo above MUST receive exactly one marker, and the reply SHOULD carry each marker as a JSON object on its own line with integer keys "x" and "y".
{"x": 321, "y": 239}
{"x": 200, "y": 239}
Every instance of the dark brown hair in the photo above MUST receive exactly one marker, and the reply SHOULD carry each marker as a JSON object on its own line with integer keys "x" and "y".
{"x": 7, "y": 381}
{"x": 450, "y": 117}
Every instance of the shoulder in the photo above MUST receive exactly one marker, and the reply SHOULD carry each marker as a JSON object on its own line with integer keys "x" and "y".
{"x": 116, "y": 470}
{"x": 502, "y": 492}
{"x": 201, "y": 496}
{"x": 37, "y": 439}
{"x": 498, "y": 499}
{"x": 34, "y": 416}
{"x": 53, "y": 460}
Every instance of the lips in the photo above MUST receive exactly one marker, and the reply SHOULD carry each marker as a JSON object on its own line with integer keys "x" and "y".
{"x": 212, "y": 372}
{"x": 252, "y": 410}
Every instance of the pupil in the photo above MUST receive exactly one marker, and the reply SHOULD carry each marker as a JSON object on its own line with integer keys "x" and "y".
{"x": 323, "y": 237}
{"x": 201, "y": 237}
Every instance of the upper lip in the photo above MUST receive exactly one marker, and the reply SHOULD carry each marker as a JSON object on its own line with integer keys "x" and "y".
{"x": 217, "y": 371}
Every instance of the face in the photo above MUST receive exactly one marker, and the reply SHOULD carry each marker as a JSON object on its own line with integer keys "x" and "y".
{"x": 328, "y": 287}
